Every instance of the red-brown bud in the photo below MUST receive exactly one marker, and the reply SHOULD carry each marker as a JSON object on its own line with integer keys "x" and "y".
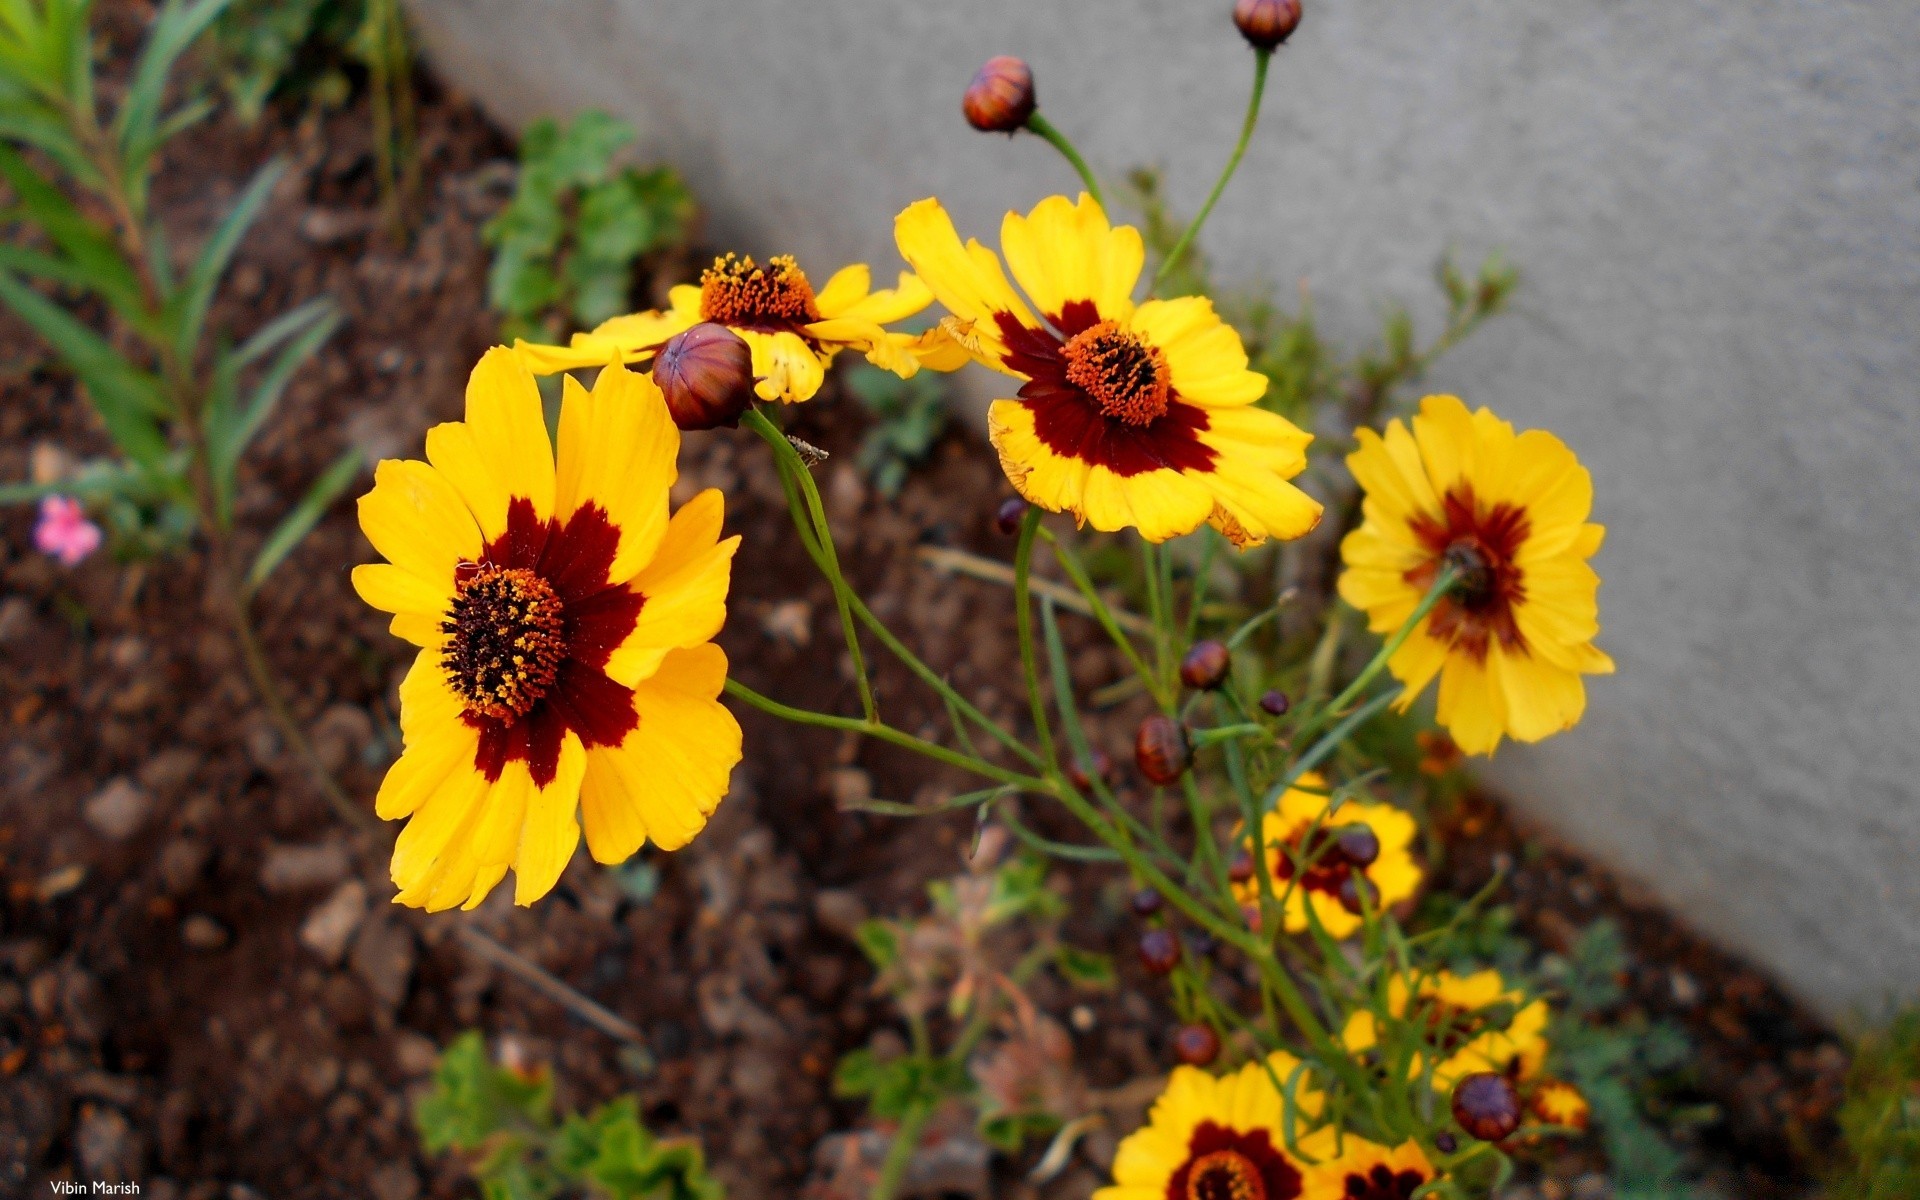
{"x": 1358, "y": 844}
{"x": 1145, "y": 902}
{"x": 1353, "y": 887}
{"x": 1275, "y": 703}
{"x": 1159, "y": 951}
{"x": 1098, "y": 767}
{"x": 1240, "y": 869}
{"x": 1000, "y": 98}
{"x": 706, "y": 374}
{"x": 1205, "y": 665}
{"x": 1009, "y": 515}
{"x": 1266, "y": 23}
{"x": 1445, "y": 1142}
{"x": 1486, "y": 1106}
{"x": 1160, "y": 749}
{"x": 1196, "y": 1045}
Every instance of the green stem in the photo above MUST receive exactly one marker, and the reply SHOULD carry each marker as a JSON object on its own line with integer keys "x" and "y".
{"x": 1040, "y": 125}
{"x": 906, "y": 1139}
{"x": 1070, "y": 563}
{"x": 1260, "y": 60}
{"x": 1023, "y": 620}
{"x": 1441, "y": 586}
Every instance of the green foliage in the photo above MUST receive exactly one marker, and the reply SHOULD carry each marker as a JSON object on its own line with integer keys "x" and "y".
{"x": 1880, "y": 1118}
{"x": 894, "y": 1087}
{"x": 565, "y": 248}
{"x": 181, "y": 405}
{"x": 503, "y": 1121}
{"x": 909, "y": 416}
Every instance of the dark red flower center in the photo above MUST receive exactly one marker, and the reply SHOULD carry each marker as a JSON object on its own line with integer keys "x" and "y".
{"x": 1124, "y": 375}
{"x": 506, "y": 636}
{"x": 1448, "y": 1025}
{"x": 1481, "y": 543}
{"x": 1227, "y": 1164}
{"x": 1382, "y": 1182}
{"x": 1103, "y": 395}
{"x": 530, "y": 630}
{"x": 734, "y": 291}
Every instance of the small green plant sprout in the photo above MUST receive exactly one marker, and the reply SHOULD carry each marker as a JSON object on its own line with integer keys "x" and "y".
{"x": 500, "y": 1117}
{"x": 180, "y": 402}
{"x": 909, "y": 416}
{"x": 1880, "y": 1117}
{"x": 965, "y": 968}
{"x": 565, "y": 247}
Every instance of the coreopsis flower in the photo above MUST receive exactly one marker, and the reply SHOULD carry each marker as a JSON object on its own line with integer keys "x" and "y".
{"x": 1127, "y": 415}
{"x": 564, "y": 625}
{"x": 1358, "y": 841}
{"x": 793, "y": 332}
{"x": 1353, "y": 1168}
{"x": 1557, "y": 1102}
{"x": 1476, "y": 1022}
{"x": 63, "y": 531}
{"x": 1225, "y": 1136}
{"x": 1509, "y": 511}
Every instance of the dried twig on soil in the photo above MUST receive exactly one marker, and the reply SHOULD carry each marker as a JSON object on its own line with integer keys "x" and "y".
{"x": 553, "y": 988}
{"x": 944, "y": 558}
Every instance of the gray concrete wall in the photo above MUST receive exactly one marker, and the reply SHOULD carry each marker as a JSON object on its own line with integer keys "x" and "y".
{"x": 1716, "y": 204}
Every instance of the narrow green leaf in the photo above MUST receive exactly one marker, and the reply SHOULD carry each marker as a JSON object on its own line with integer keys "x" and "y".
{"x": 95, "y": 257}
{"x": 304, "y": 516}
{"x": 126, "y": 397}
{"x": 229, "y": 432}
{"x": 204, "y": 277}
{"x": 176, "y": 28}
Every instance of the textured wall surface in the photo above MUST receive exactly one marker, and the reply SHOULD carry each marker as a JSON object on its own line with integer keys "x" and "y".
{"x": 1716, "y": 206}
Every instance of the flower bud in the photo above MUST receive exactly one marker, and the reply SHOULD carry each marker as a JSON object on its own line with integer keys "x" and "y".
{"x": 1266, "y": 23}
{"x": 1160, "y": 749}
{"x": 1486, "y": 1106}
{"x": 1199, "y": 942}
{"x": 1196, "y": 1045}
{"x": 1205, "y": 666}
{"x": 706, "y": 374}
{"x": 1445, "y": 1142}
{"x": 1353, "y": 887}
{"x": 1009, "y": 516}
{"x": 1098, "y": 767}
{"x": 1159, "y": 951}
{"x": 1241, "y": 868}
{"x": 1358, "y": 844}
{"x": 1000, "y": 98}
{"x": 1145, "y": 902}
{"x": 1275, "y": 703}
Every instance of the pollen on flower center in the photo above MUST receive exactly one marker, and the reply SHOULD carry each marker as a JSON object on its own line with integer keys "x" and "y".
{"x": 734, "y": 291}
{"x": 506, "y": 637}
{"x": 1225, "y": 1175}
{"x": 1123, "y": 374}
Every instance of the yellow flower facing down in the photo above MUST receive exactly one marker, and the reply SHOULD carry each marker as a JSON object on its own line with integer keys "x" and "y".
{"x": 1511, "y": 642}
{"x": 793, "y": 332}
{"x": 1353, "y": 1168}
{"x": 1475, "y": 1021}
{"x": 1128, "y": 415}
{"x": 566, "y": 673}
{"x": 1226, "y": 1137}
{"x": 1299, "y": 826}
{"x": 1557, "y": 1102}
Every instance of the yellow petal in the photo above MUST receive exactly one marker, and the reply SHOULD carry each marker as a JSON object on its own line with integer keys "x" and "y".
{"x": 396, "y": 590}
{"x": 787, "y": 368}
{"x": 509, "y": 430}
{"x": 549, "y": 833}
{"x": 1064, "y": 251}
{"x": 618, "y": 447}
{"x": 1206, "y": 363}
{"x": 967, "y": 279}
{"x": 684, "y": 607}
{"x": 415, "y": 518}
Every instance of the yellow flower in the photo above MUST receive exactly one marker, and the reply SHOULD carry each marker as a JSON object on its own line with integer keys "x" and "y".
{"x": 793, "y": 333}
{"x": 1353, "y": 1168}
{"x": 1128, "y": 415}
{"x": 1559, "y": 1103}
{"x": 1292, "y": 826}
{"x": 1226, "y": 1137}
{"x": 564, "y": 626}
{"x": 1460, "y": 1016}
{"x": 1512, "y": 641}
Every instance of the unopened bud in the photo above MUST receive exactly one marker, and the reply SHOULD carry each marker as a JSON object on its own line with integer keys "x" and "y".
{"x": 1266, "y": 23}
{"x": 1353, "y": 887}
{"x": 1145, "y": 902}
{"x": 1000, "y": 98}
{"x": 1199, "y": 942}
{"x": 1275, "y": 703}
{"x": 1241, "y": 868}
{"x": 1196, "y": 1045}
{"x": 1159, "y": 951}
{"x": 1358, "y": 844}
{"x": 1009, "y": 516}
{"x": 1098, "y": 766}
{"x": 1486, "y": 1106}
{"x": 1205, "y": 666}
{"x": 1160, "y": 749}
{"x": 1445, "y": 1143}
{"x": 706, "y": 374}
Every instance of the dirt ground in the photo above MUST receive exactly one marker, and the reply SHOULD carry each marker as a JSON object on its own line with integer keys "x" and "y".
{"x": 163, "y": 1018}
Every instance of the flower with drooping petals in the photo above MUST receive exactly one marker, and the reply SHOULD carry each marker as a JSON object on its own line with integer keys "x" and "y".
{"x": 63, "y": 531}
{"x": 1509, "y": 511}
{"x": 1225, "y": 1136}
{"x": 566, "y": 673}
{"x": 1334, "y": 857}
{"x": 1353, "y": 1168}
{"x": 1128, "y": 415}
{"x": 793, "y": 332}
{"x": 1476, "y": 1022}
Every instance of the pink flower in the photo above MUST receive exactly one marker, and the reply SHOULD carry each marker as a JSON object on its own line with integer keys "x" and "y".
{"x": 64, "y": 531}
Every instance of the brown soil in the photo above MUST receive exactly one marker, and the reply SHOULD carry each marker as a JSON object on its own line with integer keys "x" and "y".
{"x": 161, "y": 1019}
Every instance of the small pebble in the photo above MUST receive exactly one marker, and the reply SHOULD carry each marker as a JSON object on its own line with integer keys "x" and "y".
{"x": 202, "y": 932}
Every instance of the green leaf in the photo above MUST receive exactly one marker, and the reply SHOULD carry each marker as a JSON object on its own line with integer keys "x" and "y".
{"x": 93, "y": 259}
{"x": 137, "y": 126}
{"x": 204, "y": 277}
{"x": 229, "y": 430}
{"x": 304, "y": 516}
{"x": 1088, "y": 968}
{"x": 879, "y": 941}
{"x": 126, "y": 397}
{"x": 585, "y": 149}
